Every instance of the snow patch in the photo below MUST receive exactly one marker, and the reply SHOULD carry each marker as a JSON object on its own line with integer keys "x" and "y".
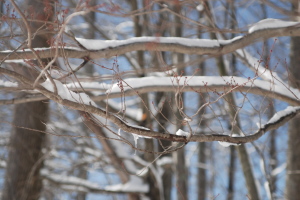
{"x": 135, "y": 184}
{"x": 72, "y": 180}
{"x": 103, "y": 44}
{"x": 227, "y": 144}
{"x": 64, "y": 92}
{"x": 8, "y": 84}
{"x": 258, "y": 68}
{"x": 135, "y": 137}
{"x": 167, "y": 83}
{"x": 278, "y": 169}
{"x": 164, "y": 161}
{"x": 277, "y": 116}
{"x": 88, "y": 85}
{"x": 271, "y": 23}
{"x": 182, "y": 133}
{"x": 200, "y": 7}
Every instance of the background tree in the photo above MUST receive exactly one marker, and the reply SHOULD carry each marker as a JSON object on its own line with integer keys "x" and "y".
{"x": 25, "y": 158}
{"x": 126, "y": 99}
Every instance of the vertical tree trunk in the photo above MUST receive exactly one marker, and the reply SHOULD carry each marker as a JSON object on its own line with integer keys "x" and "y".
{"x": 230, "y": 101}
{"x": 231, "y": 172}
{"x": 202, "y": 180}
{"x": 22, "y": 179}
{"x": 232, "y": 161}
{"x": 89, "y": 70}
{"x": 179, "y": 155}
{"x": 165, "y": 114}
{"x": 154, "y": 192}
{"x": 202, "y": 171}
{"x": 273, "y": 155}
{"x": 293, "y": 153}
{"x": 202, "y": 157}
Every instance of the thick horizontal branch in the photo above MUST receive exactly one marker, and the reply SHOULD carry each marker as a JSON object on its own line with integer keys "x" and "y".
{"x": 201, "y": 84}
{"x": 110, "y": 48}
{"x": 83, "y": 103}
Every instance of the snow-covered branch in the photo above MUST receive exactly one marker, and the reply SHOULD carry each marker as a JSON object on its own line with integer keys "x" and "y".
{"x": 74, "y": 184}
{"x": 267, "y": 28}
{"x": 202, "y": 84}
{"x": 83, "y": 103}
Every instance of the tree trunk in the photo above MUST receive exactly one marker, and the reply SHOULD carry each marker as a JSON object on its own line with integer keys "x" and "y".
{"x": 25, "y": 157}
{"x": 293, "y": 153}
{"x": 25, "y": 160}
{"x": 179, "y": 156}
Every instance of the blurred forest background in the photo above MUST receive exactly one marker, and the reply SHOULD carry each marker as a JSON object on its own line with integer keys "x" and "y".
{"x": 52, "y": 151}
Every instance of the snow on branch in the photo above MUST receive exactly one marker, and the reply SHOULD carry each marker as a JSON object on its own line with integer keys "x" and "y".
{"x": 84, "y": 103}
{"x": 7, "y": 84}
{"x": 278, "y": 119}
{"x": 202, "y": 84}
{"x": 270, "y": 23}
{"x": 282, "y": 114}
{"x": 257, "y": 67}
{"x": 167, "y": 136}
{"x": 72, "y": 183}
{"x": 135, "y": 184}
{"x": 108, "y": 48}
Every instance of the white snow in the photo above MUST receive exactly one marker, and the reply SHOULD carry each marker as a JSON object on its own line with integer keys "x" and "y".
{"x": 188, "y": 119}
{"x": 26, "y": 50}
{"x": 165, "y": 161}
{"x": 124, "y": 25}
{"x": 8, "y": 84}
{"x": 278, "y": 169}
{"x": 277, "y": 116}
{"x": 103, "y": 44}
{"x": 267, "y": 189}
{"x": 182, "y": 133}
{"x": 199, "y": 81}
{"x": 271, "y": 23}
{"x": 135, "y": 184}
{"x": 135, "y": 137}
{"x": 64, "y": 92}
{"x": 227, "y": 144}
{"x": 3, "y": 164}
{"x": 200, "y": 7}
{"x": 72, "y": 180}
{"x": 225, "y": 42}
{"x": 257, "y": 67}
{"x": 88, "y": 85}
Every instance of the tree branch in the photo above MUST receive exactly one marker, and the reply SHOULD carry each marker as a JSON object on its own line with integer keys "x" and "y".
{"x": 172, "y": 44}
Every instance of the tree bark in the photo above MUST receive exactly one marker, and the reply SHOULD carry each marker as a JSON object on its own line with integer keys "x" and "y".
{"x": 181, "y": 172}
{"x": 25, "y": 157}
{"x": 22, "y": 180}
{"x": 293, "y": 153}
